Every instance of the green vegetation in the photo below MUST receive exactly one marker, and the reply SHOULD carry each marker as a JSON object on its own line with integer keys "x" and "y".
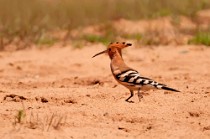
{"x": 135, "y": 36}
{"x": 108, "y": 34}
{"x": 201, "y": 38}
{"x": 31, "y": 20}
{"x": 20, "y": 116}
{"x": 95, "y": 38}
{"x": 45, "y": 40}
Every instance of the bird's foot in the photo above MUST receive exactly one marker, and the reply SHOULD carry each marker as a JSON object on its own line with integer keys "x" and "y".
{"x": 129, "y": 101}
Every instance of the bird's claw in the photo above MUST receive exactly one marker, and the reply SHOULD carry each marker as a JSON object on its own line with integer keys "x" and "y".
{"x": 129, "y": 101}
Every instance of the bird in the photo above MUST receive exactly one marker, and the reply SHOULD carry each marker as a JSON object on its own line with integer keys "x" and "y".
{"x": 129, "y": 77}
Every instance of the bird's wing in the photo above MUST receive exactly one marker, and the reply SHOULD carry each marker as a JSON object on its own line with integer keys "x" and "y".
{"x": 133, "y": 78}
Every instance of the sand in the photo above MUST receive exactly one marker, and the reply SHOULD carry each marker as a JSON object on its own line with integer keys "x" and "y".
{"x": 64, "y": 93}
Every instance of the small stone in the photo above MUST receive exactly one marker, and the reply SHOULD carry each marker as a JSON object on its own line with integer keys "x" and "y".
{"x": 44, "y": 100}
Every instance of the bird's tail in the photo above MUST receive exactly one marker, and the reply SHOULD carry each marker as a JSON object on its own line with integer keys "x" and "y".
{"x": 169, "y": 89}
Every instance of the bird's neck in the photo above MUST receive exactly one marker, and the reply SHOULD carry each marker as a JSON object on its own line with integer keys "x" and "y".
{"x": 117, "y": 63}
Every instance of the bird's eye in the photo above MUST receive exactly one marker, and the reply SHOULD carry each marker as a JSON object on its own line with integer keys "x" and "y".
{"x": 109, "y": 49}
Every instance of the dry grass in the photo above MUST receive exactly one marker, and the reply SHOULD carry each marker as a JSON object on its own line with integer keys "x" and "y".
{"x": 36, "y": 121}
{"x": 30, "y": 21}
{"x": 30, "y": 119}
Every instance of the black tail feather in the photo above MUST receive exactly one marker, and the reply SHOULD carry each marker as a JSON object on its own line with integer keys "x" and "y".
{"x": 170, "y": 89}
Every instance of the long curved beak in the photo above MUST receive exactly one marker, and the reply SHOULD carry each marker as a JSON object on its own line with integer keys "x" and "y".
{"x": 105, "y": 51}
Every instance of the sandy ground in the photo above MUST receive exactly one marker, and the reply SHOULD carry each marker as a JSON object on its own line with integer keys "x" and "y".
{"x": 64, "y": 93}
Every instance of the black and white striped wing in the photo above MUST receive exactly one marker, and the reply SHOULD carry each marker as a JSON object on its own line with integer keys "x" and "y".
{"x": 133, "y": 78}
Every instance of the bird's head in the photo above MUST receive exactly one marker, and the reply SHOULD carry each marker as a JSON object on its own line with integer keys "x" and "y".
{"x": 114, "y": 48}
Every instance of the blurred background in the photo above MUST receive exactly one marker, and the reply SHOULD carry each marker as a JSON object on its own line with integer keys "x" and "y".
{"x": 28, "y": 23}
{"x": 50, "y": 87}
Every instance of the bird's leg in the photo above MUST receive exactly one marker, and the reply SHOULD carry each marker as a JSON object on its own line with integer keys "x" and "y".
{"x": 130, "y": 97}
{"x": 139, "y": 95}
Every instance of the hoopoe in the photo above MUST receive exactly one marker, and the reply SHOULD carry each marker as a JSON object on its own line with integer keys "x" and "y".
{"x": 127, "y": 76}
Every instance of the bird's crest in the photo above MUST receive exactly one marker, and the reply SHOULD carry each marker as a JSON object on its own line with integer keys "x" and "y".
{"x": 119, "y": 45}
{"x": 116, "y": 46}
